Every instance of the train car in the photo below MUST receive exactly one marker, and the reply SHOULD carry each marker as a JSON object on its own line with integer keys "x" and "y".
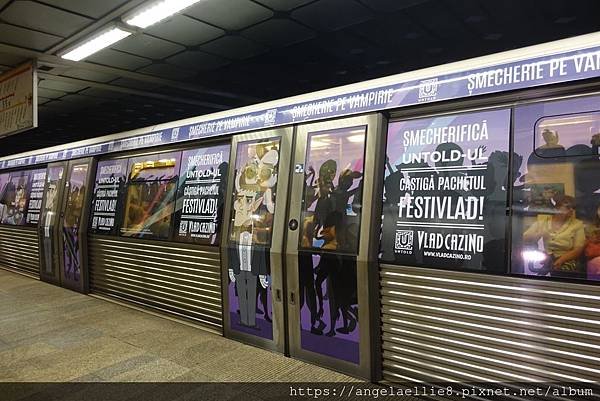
{"x": 437, "y": 225}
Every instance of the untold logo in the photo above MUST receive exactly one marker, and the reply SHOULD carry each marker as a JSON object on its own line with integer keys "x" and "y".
{"x": 183, "y": 227}
{"x": 404, "y": 241}
{"x": 428, "y": 89}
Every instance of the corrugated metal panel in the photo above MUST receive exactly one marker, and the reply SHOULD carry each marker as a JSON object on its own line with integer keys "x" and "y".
{"x": 177, "y": 279}
{"x": 19, "y": 249}
{"x": 453, "y": 326}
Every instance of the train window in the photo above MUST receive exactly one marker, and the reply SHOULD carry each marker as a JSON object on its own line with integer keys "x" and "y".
{"x": 445, "y": 193}
{"x": 150, "y": 195}
{"x": 567, "y": 135}
{"x": 201, "y": 194}
{"x": 21, "y": 195}
{"x": 106, "y": 213}
{"x": 556, "y": 192}
{"x": 332, "y": 198}
{"x": 255, "y": 191}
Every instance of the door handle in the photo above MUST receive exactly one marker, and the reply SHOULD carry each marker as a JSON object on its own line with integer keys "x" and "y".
{"x": 278, "y": 295}
{"x": 292, "y": 298}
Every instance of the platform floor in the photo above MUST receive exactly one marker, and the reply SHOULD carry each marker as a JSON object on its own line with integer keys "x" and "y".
{"x": 50, "y": 334}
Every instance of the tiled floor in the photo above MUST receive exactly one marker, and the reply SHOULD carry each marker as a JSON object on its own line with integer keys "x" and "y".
{"x": 50, "y": 334}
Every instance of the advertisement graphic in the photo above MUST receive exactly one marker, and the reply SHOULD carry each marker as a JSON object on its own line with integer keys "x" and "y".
{"x": 445, "y": 191}
{"x": 201, "y": 194}
{"x": 110, "y": 180}
{"x": 250, "y": 232}
{"x": 75, "y": 193}
{"x": 34, "y": 207}
{"x": 331, "y": 212}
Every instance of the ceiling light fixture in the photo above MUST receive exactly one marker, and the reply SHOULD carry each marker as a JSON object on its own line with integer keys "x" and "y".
{"x": 156, "y": 12}
{"x": 98, "y": 42}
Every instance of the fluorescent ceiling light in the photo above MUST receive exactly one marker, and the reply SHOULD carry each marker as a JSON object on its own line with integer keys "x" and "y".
{"x": 157, "y": 11}
{"x": 95, "y": 44}
{"x": 358, "y": 138}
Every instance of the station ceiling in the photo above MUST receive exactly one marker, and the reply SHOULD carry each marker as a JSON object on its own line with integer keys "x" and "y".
{"x": 222, "y": 54}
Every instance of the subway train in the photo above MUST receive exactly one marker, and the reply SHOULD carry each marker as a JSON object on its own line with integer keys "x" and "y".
{"x": 437, "y": 225}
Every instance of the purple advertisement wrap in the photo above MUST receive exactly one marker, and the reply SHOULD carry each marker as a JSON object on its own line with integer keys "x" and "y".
{"x": 36, "y": 195}
{"x": 250, "y": 232}
{"x": 75, "y": 195}
{"x": 331, "y": 212}
{"x": 201, "y": 194}
{"x": 556, "y": 189}
{"x": 106, "y": 203}
{"x": 543, "y": 70}
{"x": 445, "y": 191}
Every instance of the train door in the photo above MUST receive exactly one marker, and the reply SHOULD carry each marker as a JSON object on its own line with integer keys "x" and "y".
{"x": 252, "y": 244}
{"x": 332, "y": 244}
{"x": 300, "y": 272}
{"x": 49, "y": 229}
{"x": 73, "y": 221}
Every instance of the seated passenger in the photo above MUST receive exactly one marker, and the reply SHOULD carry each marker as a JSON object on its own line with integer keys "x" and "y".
{"x": 563, "y": 236}
{"x": 592, "y": 248}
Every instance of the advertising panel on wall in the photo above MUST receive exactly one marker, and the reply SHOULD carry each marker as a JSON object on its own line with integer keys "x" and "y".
{"x": 445, "y": 191}
{"x": 18, "y": 92}
{"x": 106, "y": 205}
{"x": 201, "y": 194}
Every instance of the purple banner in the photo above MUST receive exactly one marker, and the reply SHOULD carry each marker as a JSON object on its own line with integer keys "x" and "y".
{"x": 545, "y": 70}
{"x": 110, "y": 179}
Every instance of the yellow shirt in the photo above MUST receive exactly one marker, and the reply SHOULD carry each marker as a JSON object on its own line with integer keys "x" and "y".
{"x": 569, "y": 236}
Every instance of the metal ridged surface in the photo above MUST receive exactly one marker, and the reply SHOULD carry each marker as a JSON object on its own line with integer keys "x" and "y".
{"x": 453, "y": 326}
{"x": 19, "y": 249}
{"x": 177, "y": 279}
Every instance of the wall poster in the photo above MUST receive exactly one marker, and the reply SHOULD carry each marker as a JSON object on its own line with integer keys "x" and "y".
{"x": 106, "y": 205}
{"x": 331, "y": 212}
{"x": 445, "y": 192}
{"x": 201, "y": 194}
{"x": 250, "y": 231}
